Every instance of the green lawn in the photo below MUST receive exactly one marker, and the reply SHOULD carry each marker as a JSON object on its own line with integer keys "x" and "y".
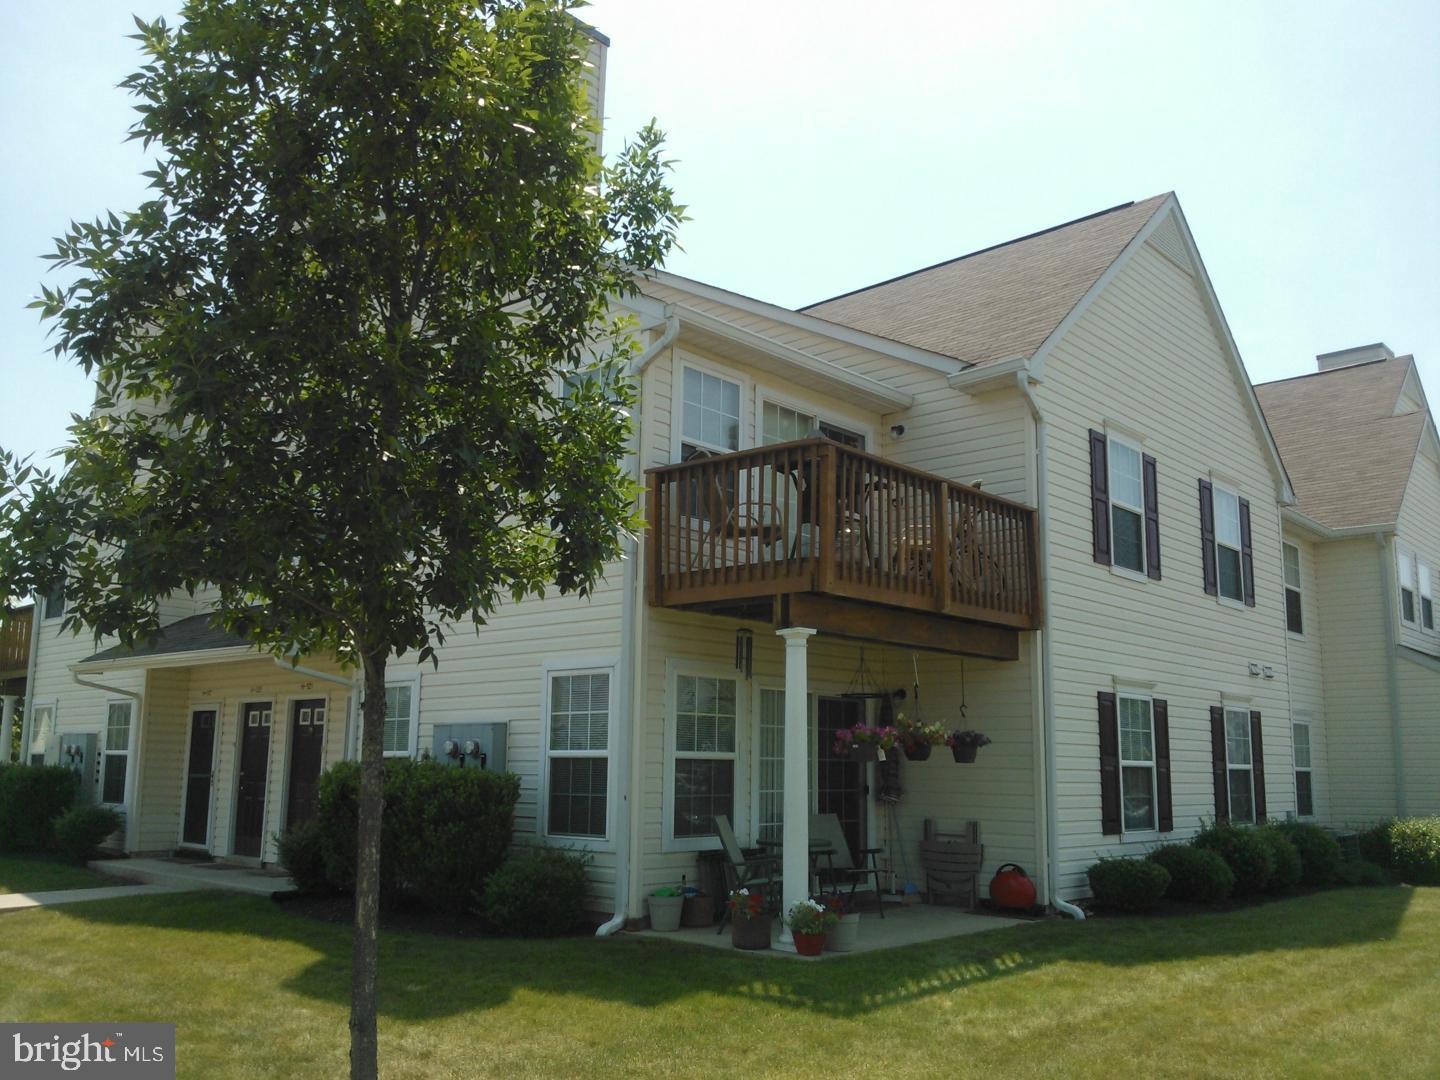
{"x": 1344, "y": 983}
{"x": 41, "y": 873}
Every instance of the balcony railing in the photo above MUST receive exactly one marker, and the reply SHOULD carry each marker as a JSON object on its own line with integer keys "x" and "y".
{"x": 815, "y": 516}
{"x": 14, "y": 643}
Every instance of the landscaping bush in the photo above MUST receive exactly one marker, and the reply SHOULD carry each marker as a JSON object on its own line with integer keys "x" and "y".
{"x": 1415, "y": 850}
{"x": 1288, "y": 869}
{"x": 32, "y": 798}
{"x": 444, "y": 832}
{"x": 82, "y": 829}
{"x": 539, "y": 892}
{"x": 1319, "y": 852}
{"x": 302, "y": 854}
{"x": 1132, "y": 885}
{"x": 1197, "y": 876}
{"x": 1248, "y": 856}
{"x": 1360, "y": 872}
{"x": 1375, "y": 843}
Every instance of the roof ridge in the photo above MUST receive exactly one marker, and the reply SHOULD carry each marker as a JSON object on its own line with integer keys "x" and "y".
{"x": 972, "y": 254}
{"x": 1334, "y": 370}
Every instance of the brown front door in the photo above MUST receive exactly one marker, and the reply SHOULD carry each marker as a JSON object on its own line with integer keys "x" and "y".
{"x": 198, "y": 777}
{"x": 254, "y": 765}
{"x": 307, "y": 752}
{"x": 840, "y": 783}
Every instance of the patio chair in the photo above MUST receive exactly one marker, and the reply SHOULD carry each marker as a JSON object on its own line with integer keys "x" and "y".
{"x": 746, "y": 870}
{"x": 757, "y": 508}
{"x": 839, "y": 868}
{"x": 951, "y": 862}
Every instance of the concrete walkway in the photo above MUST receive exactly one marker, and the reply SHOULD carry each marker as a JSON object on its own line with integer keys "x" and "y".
{"x": 176, "y": 874}
{"x": 21, "y": 901}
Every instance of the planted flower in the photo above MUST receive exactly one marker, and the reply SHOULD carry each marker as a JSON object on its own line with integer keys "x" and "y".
{"x": 917, "y": 737}
{"x": 865, "y": 742}
{"x": 965, "y": 744}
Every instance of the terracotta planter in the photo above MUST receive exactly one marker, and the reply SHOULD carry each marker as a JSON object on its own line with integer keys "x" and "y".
{"x": 965, "y": 753}
{"x": 750, "y": 933}
{"x": 919, "y": 752}
{"x": 808, "y": 944}
{"x": 665, "y": 912}
{"x": 844, "y": 934}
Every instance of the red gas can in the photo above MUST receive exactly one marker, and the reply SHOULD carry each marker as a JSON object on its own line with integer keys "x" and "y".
{"x": 1012, "y": 888}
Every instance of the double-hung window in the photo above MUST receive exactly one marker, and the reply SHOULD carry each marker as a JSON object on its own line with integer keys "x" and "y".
{"x": 116, "y": 764}
{"x": 703, "y": 731}
{"x": 1304, "y": 787}
{"x": 1427, "y": 595}
{"x": 1294, "y": 613}
{"x": 709, "y": 414}
{"x": 780, "y": 423}
{"x": 578, "y": 754}
{"x": 1239, "y": 765}
{"x": 1137, "y": 763}
{"x": 1127, "y": 506}
{"x": 1229, "y": 562}
{"x": 1409, "y": 605}
{"x": 54, "y": 601}
{"x": 42, "y": 726}
{"x": 400, "y": 718}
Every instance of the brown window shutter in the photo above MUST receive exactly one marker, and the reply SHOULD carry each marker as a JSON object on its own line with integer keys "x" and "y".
{"x": 1257, "y": 762}
{"x": 1152, "y": 517}
{"x": 1217, "y": 759}
{"x": 1207, "y": 537}
{"x": 1247, "y": 553}
{"x": 1100, "y": 496}
{"x": 1164, "y": 807}
{"x": 1109, "y": 765}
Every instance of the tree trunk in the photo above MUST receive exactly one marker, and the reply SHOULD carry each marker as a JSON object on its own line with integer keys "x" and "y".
{"x": 364, "y": 1043}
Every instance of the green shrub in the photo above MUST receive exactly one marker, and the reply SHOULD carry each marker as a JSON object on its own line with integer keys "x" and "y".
{"x": 1415, "y": 850}
{"x": 1288, "y": 869}
{"x": 539, "y": 892}
{"x": 1248, "y": 856}
{"x": 302, "y": 854}
{"x": 444, "y": 831}
{"x": 1319, "y": 852}
{"x": 1375, "y": 843}
{"x": 1197, "y": 876}
{"x": 32, "y": 798}
{"x": 1128, "y": 884}
{"x": 81, "y": 830}
{"x": 1360, "y": 872}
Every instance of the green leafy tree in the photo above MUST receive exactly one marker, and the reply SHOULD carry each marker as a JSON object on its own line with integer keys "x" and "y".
{"x": 328, "y": 348}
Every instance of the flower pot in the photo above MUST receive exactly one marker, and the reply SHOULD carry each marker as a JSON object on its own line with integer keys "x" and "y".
{"x": 699, "y": 911}
{"x": 808, "y": 944}
{"x": 919, "y": 752}
{"x": 750, "y": 933}
{"x": 844, "y": 934}
{"x": 866, "y": 752}
{"x": 965, "y": 752}
{"x": 665, "y": 912}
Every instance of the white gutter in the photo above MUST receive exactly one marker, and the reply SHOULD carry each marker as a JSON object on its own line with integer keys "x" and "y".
{"x": 1047, "y": 664}
{"x": 631, "y": 654}
{"x": 1392, "y": 676}
{"x": 347, "y": 681}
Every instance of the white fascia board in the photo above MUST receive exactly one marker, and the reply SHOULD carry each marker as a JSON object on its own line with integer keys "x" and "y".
{"x": 795, "y": 363}
{"x": 994, "y": 375}
{"x": 931, "y": 361}
{"x": 1325, "y": 532}
{"x": 168, "y": 660}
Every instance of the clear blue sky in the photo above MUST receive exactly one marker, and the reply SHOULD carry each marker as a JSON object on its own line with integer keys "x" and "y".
{"x": 822, "y": 146}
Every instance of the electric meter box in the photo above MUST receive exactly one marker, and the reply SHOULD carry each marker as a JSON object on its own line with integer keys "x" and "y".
{"x": 471, "y": 746}
{"x": 79, "y": 754}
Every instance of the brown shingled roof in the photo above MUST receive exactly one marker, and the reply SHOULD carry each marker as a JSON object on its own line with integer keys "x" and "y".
{"x": 1349, "y": 458}
{"x": 997, "y": 303}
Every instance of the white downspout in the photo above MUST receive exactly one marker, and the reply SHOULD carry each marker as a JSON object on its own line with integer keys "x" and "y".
{"x": 1047, "y": 664}
{"x": 135, "y": 750}
{"x": 631, "y": 654}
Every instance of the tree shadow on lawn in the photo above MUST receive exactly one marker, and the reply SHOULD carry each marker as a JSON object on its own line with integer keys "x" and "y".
{"x": 426, "y": 977}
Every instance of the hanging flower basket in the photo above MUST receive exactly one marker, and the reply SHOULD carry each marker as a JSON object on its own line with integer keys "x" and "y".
{"x": 864, "y": 743}
{"x": 964, "y": 745}
{"x": 916, "y": 737}
{"x": 918, "y": 751}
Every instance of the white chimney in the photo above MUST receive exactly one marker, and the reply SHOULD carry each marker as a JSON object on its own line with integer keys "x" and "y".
{"x": 1360, "y": 354}
{"x": 599, "y": 46}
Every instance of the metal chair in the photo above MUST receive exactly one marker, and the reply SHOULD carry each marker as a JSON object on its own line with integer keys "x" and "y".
{"x": 951, "y": 862}
{"x": 761, "y": 508}
{"x": 746, "y": 871}
{"x": 841, "y": 868}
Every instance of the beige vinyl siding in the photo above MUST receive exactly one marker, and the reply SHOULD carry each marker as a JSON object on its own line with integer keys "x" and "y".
{"x": 163, "y": 740}
{"x": 1146, "y": 354}
{"x": 1418, "y": 532}
{"x": 1306, "y": 666}
{"x": 1418, "y": 681}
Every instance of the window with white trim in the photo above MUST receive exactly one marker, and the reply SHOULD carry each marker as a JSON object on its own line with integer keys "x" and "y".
{"x": 116, "y": 759}
{"x": 1239, "y": 766}
{"x": 1408, "y": 606}
{"x": 1294, "y": 612}
{"x": 54, "y": 601}
{"x": 1127, "y": 505}
{"x": 710, "y": 414}
{"x": 704, "y": 731}
{"x": 1427, "y": 595}
{"x": 42, "y": 726}
{"x": 577, "y": 751}
{"x": 1229, "y": 562}
{"x": 780, "y": 423}
{"x": 1304, "y": 781}
{"x": 1136, "y": 720}
{"x": 401, "y": 716}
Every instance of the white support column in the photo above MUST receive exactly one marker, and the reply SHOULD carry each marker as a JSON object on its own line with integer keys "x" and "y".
{"x": 7, "y": 726}
{"x": 795, "y": 869}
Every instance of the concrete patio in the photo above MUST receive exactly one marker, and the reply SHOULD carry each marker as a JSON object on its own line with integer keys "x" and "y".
{"x": 194, "y": 874}
{"x": 902, "y": 925}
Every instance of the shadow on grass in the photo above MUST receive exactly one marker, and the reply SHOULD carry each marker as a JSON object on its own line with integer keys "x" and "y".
{"x": 424, "y": 977}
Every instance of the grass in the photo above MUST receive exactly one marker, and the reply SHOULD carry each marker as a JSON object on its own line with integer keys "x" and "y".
{"x": 1341, "y": 983}
{"x": 42, "y": 873}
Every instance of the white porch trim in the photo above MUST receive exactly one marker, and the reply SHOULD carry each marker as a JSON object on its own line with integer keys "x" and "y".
{"x": 795, "y": 868}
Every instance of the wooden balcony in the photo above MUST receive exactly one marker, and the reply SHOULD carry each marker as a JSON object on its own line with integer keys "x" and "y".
{"x": 15, "y": 643}
{"x": 815, "y": 532}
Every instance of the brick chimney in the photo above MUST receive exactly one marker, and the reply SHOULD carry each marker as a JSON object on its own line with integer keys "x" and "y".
{"x": 1360, "y": 354}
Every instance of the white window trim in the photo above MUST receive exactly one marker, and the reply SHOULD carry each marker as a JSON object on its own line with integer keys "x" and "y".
{"x": 1112, "y": 435}
{"x": 822, "y": 414}
{"x": 43, "y": 600}
{"x": 674, "y": 668}
{"x": 1217, "y": 487}
{"x": 1425, "y": 590}
{"x": 1405, "y": 557}
{"x": 1287, "y": 588}
{"x": 412, "y": 681}
{"x": 31, "y": 708}
{"x": 1303, "y": 720}
{"x": 745, "y": 437}
{"x": 190, "y": 710}
{"x": 105, "y": 752}
{"x": 1250, "y": 768}
{"x": 812, "y": 744}
{"x": 579, "y": 665}
{"x": 1135, "y": 836}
